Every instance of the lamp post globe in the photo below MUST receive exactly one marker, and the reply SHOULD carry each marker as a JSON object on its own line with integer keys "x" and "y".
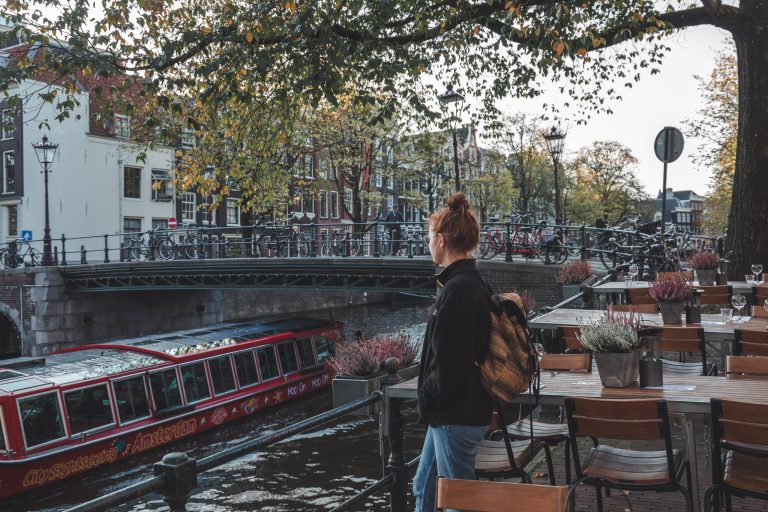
{"x": 453, "y": 97}
{"x": 45, "y": 152}
{"x": 555, "y": 140}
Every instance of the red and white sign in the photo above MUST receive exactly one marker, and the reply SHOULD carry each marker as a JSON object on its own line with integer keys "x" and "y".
{"x": 172, "y": 223}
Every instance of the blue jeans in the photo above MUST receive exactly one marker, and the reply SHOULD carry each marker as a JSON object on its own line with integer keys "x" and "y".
{"x": 449, "y": 451}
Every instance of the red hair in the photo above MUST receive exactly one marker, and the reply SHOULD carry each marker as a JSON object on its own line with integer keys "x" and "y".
{"x": 457, "y": 224}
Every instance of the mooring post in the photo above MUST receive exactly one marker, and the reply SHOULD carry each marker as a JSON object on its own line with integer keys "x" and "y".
{"x": 63, "y": 250}
{"x": 180, "y": 474}
{"x": 106, "y": 248}
{"x": 398, "y": 493}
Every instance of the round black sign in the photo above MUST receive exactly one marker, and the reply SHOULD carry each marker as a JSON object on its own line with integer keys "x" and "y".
{"x": 669, "y": 144}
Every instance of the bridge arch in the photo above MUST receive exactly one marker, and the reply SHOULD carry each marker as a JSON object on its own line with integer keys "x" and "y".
{"x": 10, "y": 335}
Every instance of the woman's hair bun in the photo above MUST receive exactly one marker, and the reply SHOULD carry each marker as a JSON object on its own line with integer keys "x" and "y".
{"x": 458, "y": 202}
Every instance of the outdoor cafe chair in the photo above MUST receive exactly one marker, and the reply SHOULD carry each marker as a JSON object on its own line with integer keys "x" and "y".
{"x": 715, "y": 294}
{"x": 638, "y": 296}
{"x": 626, "y": 469}
{"x": 739, "y": 452}
{"x": 685, "y": 340}
{"x": 551, "y": 434}
{"x": 637, "y": 308}
{"x": 569, "y": 336}
{"x": 482, "y": 496}
{"x": 687, "y": 274}
{"x": 750, "y": 343}
{"x": 744, "y": 367}
{"x": 759, "y": 294}
{"x": 758, "y": 311}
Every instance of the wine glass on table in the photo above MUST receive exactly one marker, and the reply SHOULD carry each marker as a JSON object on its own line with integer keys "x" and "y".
{"x": 738, "y": 301}
{"x": 757, "y": 269}
{"x": 634, "y": 270}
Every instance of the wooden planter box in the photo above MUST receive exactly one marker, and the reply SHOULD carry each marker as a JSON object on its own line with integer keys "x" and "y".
{"x": 348, "y": 388}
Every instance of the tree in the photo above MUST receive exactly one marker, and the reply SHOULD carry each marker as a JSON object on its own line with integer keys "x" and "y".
{"x": 604, "y": 180}
{"x": 493, "y": 48}
{"x": 718, "y": 125}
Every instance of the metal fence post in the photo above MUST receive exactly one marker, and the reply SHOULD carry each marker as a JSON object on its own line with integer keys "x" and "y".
{"x": 508, "y": 257}
{"x": 345, "y": 251}
{"x": 151, "y": 255}
{"x": 106, "y": 248}
{"x": 13, "y": 247}
{"x": 396, "y": 466}
{"x": 254, "y": 246}
{"x": 584, "y": 242}
{"x": 63, "y": 250}
{"x": 55, "y": 255}
{"x": 312, "y": 240}
{"x": 180, "y": 477}
{"x": 200, "y": 244}
{"x": 376, "y": 242}
{"x": 83, "y": 258}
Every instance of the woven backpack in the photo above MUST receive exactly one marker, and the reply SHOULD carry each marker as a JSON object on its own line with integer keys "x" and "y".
{"x": 511, "y": 366}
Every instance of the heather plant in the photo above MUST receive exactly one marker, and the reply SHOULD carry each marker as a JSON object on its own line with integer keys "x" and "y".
{"x": 574, "y": 272}
{"x": 672, "y": 287}
{"x": 613, "y": 332}
{"x": 704, "y": 260}
{"x": 366, "y": 356}
{"x": 529, "y": 303}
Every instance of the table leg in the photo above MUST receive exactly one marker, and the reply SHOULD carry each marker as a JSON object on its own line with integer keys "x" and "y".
{"x": 690, "y": 439}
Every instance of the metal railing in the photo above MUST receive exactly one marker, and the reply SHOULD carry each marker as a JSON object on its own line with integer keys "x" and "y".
{"x": 176, "y": 474}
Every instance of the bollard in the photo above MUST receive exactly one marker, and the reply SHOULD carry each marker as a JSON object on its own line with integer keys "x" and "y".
{"x": 83, "y": 259}
{"x": 106, "y": 248}
{"x": 180, "y": 477}
{"x": 55, "y": 255}
{"x": 583, "y": 242}
{"x": 508, "y": 257}
{"x": 123, "y": 252}
{"x": 395, "y": 465}
{"x": 63, "y": 250}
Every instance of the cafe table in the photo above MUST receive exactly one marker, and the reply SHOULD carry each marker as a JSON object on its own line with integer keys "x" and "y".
{"x": 688, "y": 395}
{"x": 613, "y": 291}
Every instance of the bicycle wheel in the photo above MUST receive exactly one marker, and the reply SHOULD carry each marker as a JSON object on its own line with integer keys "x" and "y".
{"x": 164, "y": 248}
{"x": 302, "y": 247}
{"x": 137, "y": 250}
{"x": 189, "y": 247}
{"x": 573, "y": 247}
{"x": 404, "y": 249}
{"x": 606, "y": 254}
{"x": 483, "y": 249}
{"x": 551, "y": 252}
{"x": 35, "y": 257}
{"x": 355, "y": 247}
{"x": 4, "y": 258}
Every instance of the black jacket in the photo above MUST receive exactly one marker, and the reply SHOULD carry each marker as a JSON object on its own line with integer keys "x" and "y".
{"x": 458, "y": 333}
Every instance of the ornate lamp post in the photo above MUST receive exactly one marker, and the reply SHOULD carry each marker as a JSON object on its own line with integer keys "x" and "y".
{"x": 457, "y": 99}
{"x": 555, "y": 141}
{"x": 45, "y": 152}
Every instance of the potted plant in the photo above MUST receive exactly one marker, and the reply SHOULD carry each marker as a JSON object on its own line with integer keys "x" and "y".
{"x": 529, "y": 302}
{"x": 359, "y": 365}
{"x": 671, "y": 291}
{"x": 705, "y": 264}
{"x": 571, "y": 275}
{"x": 616, "y": 344}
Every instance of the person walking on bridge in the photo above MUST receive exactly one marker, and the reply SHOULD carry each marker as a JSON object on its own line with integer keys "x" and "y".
{"x": 452, "y": 401}
{"x": 394, "y": 220}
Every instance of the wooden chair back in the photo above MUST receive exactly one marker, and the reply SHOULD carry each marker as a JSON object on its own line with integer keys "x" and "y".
{"x": 715, "y": 294}
{"x": 638, "y": 296}
{"x": 683, "y": 340}
{"x": 569, "y": 335}
{"x": 484, "y": 496}
{"x": 750, "y": 343}
{"x": 746, "y": 367}
{"x": 686, "y": 274}
{"x": 760, "y": 293}
{"x": 743, "y": 427}
{"x": 758, "y": 311}
{"x": 566, "y": 362}
{"x": 637, "y": 308}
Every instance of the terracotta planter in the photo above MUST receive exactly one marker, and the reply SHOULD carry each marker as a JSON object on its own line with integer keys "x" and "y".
{"x": 706, "y": 277}
{"x": 618, "y": 370}
{"x": 671, "y": 312}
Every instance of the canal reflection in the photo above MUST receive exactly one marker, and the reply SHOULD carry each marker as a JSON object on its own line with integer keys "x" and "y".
{"x": 310, "y": 472}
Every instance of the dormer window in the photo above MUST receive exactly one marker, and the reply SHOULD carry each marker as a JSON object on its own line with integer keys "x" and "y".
{"x": 120, "y": 126}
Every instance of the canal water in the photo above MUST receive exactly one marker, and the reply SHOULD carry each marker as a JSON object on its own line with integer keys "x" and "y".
{"x": 309, "y": 472}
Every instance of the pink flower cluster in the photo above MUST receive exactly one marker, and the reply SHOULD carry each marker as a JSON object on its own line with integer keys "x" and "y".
{"x": 529, "y": 303}
{"x": 704, "y": 260}
{"x": 366, "y": 356}
{"x": 672, "y": 287}
{"x": 574, "y": 272}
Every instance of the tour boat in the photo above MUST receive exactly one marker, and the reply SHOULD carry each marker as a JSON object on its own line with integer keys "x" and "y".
{"x": 83, "y": 407}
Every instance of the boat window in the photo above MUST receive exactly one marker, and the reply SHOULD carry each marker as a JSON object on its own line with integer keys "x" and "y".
{"x": 195, "y": 382}
{"x": 306, "y": 356}
{"x": 131, "y": 397}
{"x": 88, "y": 408}
{"x": 324, "y": 347}
{"x": 221, "y": 374}
{"x": 3, "y": 446}
{"x": 267, "y": 363}
{"x": 41, "y": 419}
{"x": 165, "y": 389}
{"x": 287, "y": 357}
{"x": 245, "y": 364}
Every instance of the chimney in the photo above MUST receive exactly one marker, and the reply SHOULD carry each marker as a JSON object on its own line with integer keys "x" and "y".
{"x": 669, "y": 194}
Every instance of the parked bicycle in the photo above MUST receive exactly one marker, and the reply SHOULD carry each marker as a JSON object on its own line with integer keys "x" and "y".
{"x": 152, "y": 244}
{"x": 337, "y": 243}
{"x": 24, "y": 254}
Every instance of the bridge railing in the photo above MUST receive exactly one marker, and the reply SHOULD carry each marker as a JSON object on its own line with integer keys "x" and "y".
{"x": 548, "y": 243}
{"x": 176, "y": 474}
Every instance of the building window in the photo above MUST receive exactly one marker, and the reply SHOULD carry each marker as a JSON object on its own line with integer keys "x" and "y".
{"x": 9, "y": 172}
{"x": 160, "y": 224}
{"x": 378, "y": 179}
{"x": 7, "y": 125}
{"x": 122, "y": 127}
{"x": 188, "y": 207}
{"x": 233, "y": 212}
{"x": 132, "y": 182}
{"x": 161, "y": 185}
{"x": 334, "y": 205}
{"x": 390, "y": 182}
{"x": 131, "y": 225}
{"x": 188, "y": 139}
{"x": 323, "y": 204}
{"x": 308, "y": 199}
{"x": 307, "y": 166}
{"x": 348, "y": 199}
{"x": 390, "y": 202}
{"x": 13, "y": 221}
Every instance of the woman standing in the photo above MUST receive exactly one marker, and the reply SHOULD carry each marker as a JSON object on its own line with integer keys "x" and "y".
{"x": 452, "y": 402}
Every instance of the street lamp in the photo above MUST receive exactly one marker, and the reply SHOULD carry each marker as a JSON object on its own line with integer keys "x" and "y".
{"x": 449, "y": 97}
{"x": 45, "y": 152}
{"x": 555, "y": 141}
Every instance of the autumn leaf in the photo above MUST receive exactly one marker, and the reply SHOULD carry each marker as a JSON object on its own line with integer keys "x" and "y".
{"x": 559, "y": 48}
{"x": 249, "y": 37}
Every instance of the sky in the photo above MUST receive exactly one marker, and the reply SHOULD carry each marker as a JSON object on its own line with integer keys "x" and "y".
{"x": 665, "y": 99}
